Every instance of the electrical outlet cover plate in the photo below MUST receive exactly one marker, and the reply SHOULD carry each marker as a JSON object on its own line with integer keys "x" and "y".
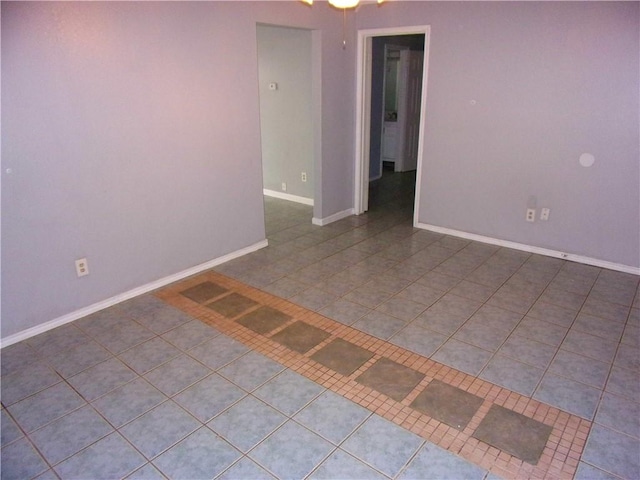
{"x": 544, "y": 214}
{"x": 82, "y": 267}
{"x": 531, "y": 215}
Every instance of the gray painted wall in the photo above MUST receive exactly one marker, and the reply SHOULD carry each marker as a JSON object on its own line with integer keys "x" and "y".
{"x": 551, "y": 80}
{"x": 131, "y": 131}
{"x": 286, "y": 123}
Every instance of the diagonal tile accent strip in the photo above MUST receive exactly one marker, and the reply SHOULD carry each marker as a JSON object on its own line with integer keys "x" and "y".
{"x": 514, "y": 433}
{"x": 342, "y": 356}
{"x": 450, "y": 405}
{"x": 391, "y": 378}
{"x": 204, "y": 292}
{"x": 560, "y": 454}
{"x": 264, "y": 320}
{"x": 301, "y": 337}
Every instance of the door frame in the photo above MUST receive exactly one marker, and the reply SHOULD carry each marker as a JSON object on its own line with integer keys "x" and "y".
{"x": 363, "y": 111}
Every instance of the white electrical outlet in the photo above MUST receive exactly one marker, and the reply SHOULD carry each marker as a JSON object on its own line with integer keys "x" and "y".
{"x": 82, "y": 267}
{"x": 531, "y": 215}
{"x": 303, "y": 175}
{"x": 544, "y": 214}
{"x": 284, "y": 187}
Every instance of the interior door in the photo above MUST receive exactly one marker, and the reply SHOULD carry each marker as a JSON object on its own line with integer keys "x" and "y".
{"x": 409, "y": 96}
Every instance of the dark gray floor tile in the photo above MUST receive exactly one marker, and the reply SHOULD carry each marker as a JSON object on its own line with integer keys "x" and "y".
{"x": 288, "y": 392}
{"x": 390, "y": 378}
{"x": 123, "y": 404}
{"x": 447, "y": 404}
{"x": 613, "y": 452}
{"x": 159, "y": 428}
{"x": 383, "y": 445}
{"x": 204, "y": 292}
{"x": 190, "y": 334}
{"x": 435, "y": 462}
{"x": 33, "y": 378}
{"x": 69, "y": 434}
{"x": 462, "y": 356}
{"x": 521, "y": 436}
{"x": 300, "y": 336}
{"x": 247, "y": 423}
{"x": 44, "y": 407}
{"x": 251, "y": 370}
{"x": 292, "y": 451}
{"x": 332, "y": 416}
{"x": 177, "y": 374}
{"x": 21, "y": 461}
{"x": 102, "y": 378}
{"x": 111, "y": 457}
{"x": 568, "y": 395}
{"x": 149, "y": 355}
{"x": 201, "y": 455}
{"x": 232, "y": 305}
{"x": 218, "y": 351}
{"x": 342, "y": 356}
{"x": 209, "y": 397}
{"x": 343, "y": 466}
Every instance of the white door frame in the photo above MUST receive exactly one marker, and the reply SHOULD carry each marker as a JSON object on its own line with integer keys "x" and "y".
{"x": 363, "y": 111}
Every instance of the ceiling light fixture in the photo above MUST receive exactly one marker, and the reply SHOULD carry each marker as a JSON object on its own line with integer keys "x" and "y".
{"x": 342, "y": 4}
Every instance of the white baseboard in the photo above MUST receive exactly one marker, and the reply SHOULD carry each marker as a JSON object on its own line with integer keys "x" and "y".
{"x": 333, "y": 218}
{"x": 288, "y": 196}
{"x": 109, "y": 302}
{"x": 531, "y": 249}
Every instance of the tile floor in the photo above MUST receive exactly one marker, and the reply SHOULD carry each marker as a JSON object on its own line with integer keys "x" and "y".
{"x": 147, "y": 389}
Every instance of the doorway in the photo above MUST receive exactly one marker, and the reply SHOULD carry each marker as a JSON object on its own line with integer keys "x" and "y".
{"x": 369, "y": 119}
{"x": 288, "y": 67}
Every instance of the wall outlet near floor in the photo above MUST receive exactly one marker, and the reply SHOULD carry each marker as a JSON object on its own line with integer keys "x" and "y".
{"x": 544, "y": 214}
{"x": 303, "y": 176}
{"x": 284, "y": 187}
{"x": 82, "y": 267}
{"x": 531, "y": 215}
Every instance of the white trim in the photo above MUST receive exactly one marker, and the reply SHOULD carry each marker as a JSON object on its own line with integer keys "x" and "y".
{"x": 83, "y": 312}
{"x": 363, "y": 105}
{"x": 532, "y": 249}
{"x": 288, "y": 196}
{"x": 332, "y": 218}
